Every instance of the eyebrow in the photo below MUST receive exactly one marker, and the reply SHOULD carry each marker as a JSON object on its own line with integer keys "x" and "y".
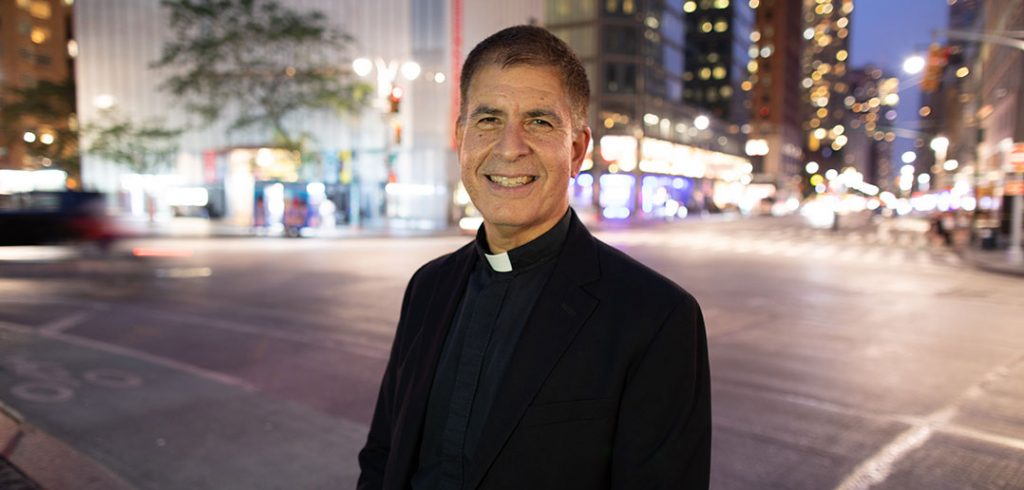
{"x": 546, "y": 114}
{"x": 485, "y": 110}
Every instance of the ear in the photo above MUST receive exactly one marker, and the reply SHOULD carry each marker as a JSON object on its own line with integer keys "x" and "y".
{"x": 580, "y": 143}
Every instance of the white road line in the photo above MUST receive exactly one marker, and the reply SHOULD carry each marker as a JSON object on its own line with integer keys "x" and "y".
{"x": 134, "y": 354}
{"x": 876, "y": 468}
{"x": 64, "y": 323}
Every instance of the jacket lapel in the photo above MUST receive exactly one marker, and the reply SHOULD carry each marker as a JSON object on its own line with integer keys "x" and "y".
{"x": 424, "y": 352}
{"x": 562, "y": 308}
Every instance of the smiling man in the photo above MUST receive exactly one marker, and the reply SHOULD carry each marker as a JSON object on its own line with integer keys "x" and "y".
{"x": 537, "y": 357}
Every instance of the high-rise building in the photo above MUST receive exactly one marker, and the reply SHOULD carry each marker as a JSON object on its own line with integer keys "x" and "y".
{"x": 871, "y": 110}
{"x": 827, "y": 33}
{"x": 34, "y": 48}
{"x": 718, "y": 54}
{"x": 776, "y": 95}
{"x": 654, "y": 155}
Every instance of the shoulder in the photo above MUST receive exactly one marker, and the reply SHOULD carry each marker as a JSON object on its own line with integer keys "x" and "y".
{"x": 628, "y": 277}
{"x": 440, "y": 266}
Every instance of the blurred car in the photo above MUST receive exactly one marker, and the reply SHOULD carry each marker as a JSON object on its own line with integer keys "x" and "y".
{"x": 48, "y": 217}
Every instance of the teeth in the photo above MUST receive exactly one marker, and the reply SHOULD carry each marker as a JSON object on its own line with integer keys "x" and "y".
{"x": 510, "y": 181}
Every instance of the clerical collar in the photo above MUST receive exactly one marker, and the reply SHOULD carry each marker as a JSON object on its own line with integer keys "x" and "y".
{"x": 533, "y": 252}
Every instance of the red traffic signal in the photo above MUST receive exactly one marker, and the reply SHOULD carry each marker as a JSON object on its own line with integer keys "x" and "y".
{"x": 395, "y": 98}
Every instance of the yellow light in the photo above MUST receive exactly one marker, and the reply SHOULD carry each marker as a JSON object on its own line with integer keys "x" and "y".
{"x": 817, "y": 179}
{"x": 690, "y": 7}
{"x": 721, "y": 4}
{"x": 706, "y": 27}
{"x": 609, "y": 122}
{"x": 839, "y": 129}
{"x": 842, "y": 22}
{"x": 962, "y": 72}
{"x": 719, "y": 73}
{"x": 820, "y": 133}
{"x": 705, "y": 73}
{"x": 890, "y": 137}
{"x": 824, "y": 40}
{"x": 842, "y": 55}
{"x": 39, "y": 35}
{"x": 752, "y": 66}
{"x": 925, "y": 111}
{"x": 822, "y": 112}
{"x": 721, "y": 26}
{"x": 746, "y": 86}
{"x": 815, "y": 123}
{"x": 755, "y": 4}
{"x": 843, "y": 33}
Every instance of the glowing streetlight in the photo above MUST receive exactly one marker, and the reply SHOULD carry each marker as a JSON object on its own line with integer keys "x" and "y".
{"x": 701, "y": 122}
{"x": 362, "y": 66}
{"x": 914, "y": 64}
{"x": 940, "y": 144}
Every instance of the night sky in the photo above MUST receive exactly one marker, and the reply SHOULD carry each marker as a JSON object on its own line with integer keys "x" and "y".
{"x": 885, "y": 32}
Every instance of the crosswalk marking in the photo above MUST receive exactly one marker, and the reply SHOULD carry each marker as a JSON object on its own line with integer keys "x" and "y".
{"x": 798, "y": 243}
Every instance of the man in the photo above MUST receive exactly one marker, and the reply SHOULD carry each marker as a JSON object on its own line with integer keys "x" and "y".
{"x": 538, "y": 357}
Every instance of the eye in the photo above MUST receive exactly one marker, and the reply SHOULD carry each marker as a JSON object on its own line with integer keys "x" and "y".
{"x": 487, "y": 122}
{"x": 540, "y": 123}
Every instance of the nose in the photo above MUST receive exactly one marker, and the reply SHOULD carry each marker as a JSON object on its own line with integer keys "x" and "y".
{"x": 512, "y": 144}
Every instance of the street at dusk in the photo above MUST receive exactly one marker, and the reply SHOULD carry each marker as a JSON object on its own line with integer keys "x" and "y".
{"x": 219, "y": 220}
{"x": 840, "y": 359}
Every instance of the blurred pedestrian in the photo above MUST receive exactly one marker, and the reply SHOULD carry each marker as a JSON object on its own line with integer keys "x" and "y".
{"x": 536, "y": 356}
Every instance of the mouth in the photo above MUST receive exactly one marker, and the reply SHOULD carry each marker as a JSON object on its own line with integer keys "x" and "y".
{"x": 518, "y": 181}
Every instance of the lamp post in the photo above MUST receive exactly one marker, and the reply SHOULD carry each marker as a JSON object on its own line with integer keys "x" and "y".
{"x": 389, "y": 96}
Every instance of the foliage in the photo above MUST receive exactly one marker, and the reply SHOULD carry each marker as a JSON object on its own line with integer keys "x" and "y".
{"x": 143, "y": 148}
{"x": 257, "y": 61}
{"x": 49, "y": 105}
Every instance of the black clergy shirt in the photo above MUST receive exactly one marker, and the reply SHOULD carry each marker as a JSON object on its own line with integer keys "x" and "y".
{"x": 501, "y": 293}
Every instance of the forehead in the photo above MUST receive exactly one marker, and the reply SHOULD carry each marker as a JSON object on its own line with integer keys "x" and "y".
{"x": 523, "y": 85}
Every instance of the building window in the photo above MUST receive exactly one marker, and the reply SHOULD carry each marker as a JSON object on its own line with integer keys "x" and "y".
{"x": 620, "y": 78}
{"x": 40, "y": 9}
{"x": 559, "y": 11}
{"x": 39, "y": 35}
{"x": 620, "y": 40}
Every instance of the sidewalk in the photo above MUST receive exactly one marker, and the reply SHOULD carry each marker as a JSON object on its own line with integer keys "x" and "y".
{"x": 992, "y": 260}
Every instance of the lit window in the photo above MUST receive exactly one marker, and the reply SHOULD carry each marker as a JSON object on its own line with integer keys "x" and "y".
{"x": 39, "y": 35}
{"x": 628, "y": 6}
{"x": 706, "y": 27}
{"x": 705, "y": 73}
{"x": 719, "y": 73}
{"x": 726, "y": 92}
{"x": 40, "y": 9}
{"x": 721, "y": 26}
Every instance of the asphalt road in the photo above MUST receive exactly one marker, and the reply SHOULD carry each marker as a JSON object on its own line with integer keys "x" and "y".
{"x": 839, "y": 360}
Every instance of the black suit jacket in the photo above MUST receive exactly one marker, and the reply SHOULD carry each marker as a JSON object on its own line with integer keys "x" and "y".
{"x": 608, "y": 386}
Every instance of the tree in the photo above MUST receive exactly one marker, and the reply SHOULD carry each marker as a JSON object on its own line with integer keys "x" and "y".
{"x": 47, "y": 109}
{"x": 259, "y": 60}
{"x": 142, "y": 148}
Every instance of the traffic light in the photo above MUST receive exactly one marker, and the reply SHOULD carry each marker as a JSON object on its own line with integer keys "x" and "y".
{"x": 937, "y": 56}
{"x": 395, "y": 98}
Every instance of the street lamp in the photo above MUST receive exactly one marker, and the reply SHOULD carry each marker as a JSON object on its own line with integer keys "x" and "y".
{"x": 701, "y": 122}
{"x": 914, "y": 64}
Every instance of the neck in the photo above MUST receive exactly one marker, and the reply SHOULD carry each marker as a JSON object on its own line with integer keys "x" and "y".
{"x": 502, "y": 238}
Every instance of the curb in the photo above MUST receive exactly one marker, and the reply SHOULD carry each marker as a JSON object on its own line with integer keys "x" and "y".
{"x": 42, "y": 461}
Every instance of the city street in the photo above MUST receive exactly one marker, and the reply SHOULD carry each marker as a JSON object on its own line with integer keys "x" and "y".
{"x": 840, "y": 359}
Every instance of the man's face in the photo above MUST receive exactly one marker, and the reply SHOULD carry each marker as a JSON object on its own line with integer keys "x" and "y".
{"x": 518, "y": 150}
